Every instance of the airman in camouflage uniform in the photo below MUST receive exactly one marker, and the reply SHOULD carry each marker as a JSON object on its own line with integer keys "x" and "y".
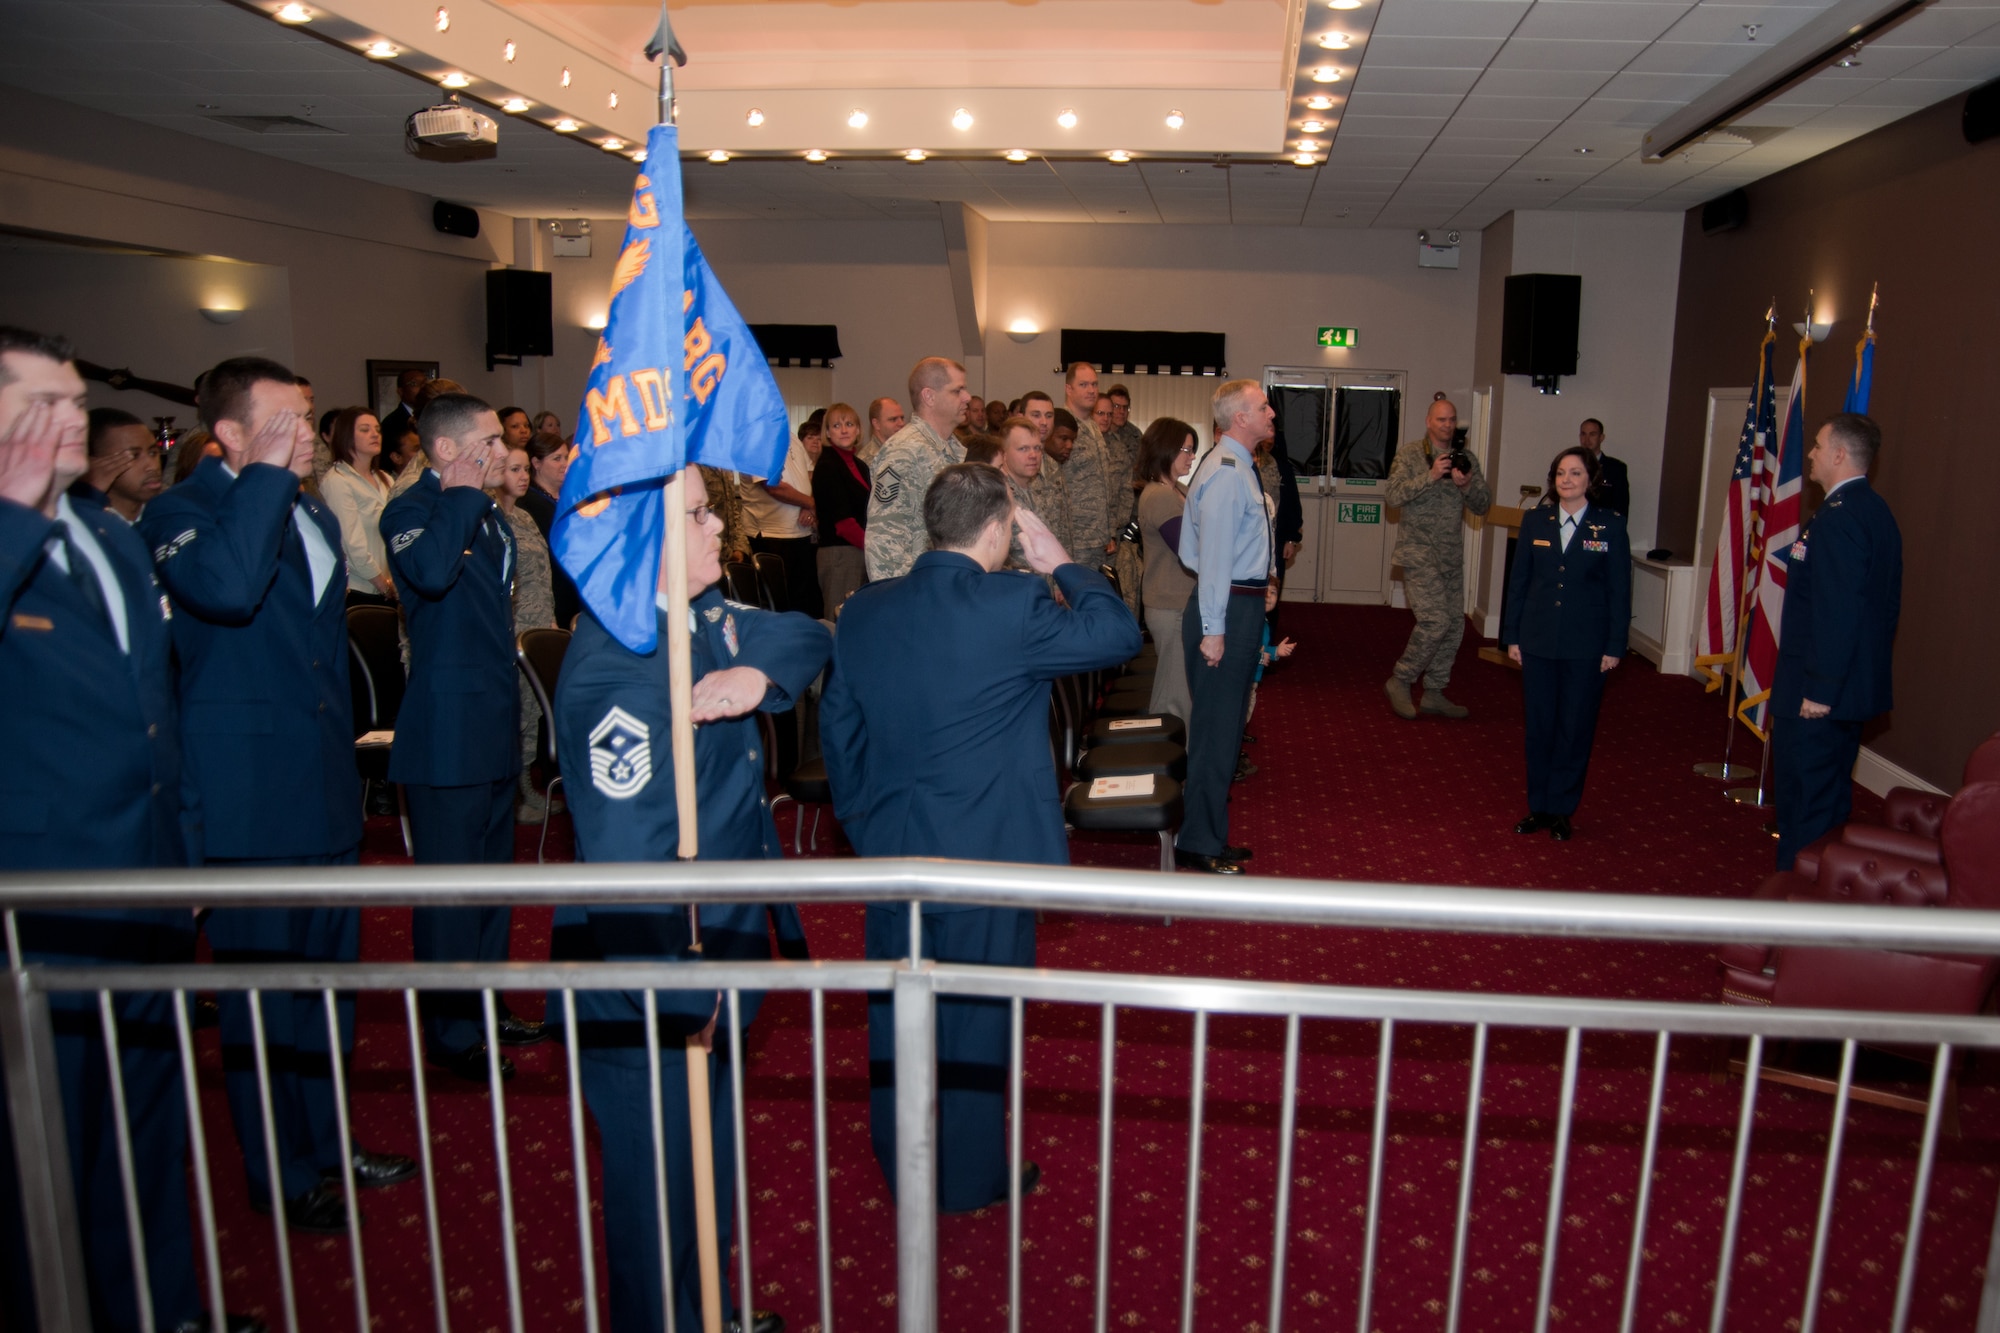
{"x": 1051, "y": 496}
{"x": 1431, "y": 549}
{"x": 1121, "y": 447}
{"x": 1086, "y": 474}
{"x": 909, "y": 460}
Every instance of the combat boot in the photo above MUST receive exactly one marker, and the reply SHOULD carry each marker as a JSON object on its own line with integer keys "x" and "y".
{"x": 1399, "y": 697}
{"x": 1435, "y": 702}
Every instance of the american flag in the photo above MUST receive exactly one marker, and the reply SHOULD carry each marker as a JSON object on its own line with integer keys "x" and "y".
{"x": 1777, "y": 527}
{"x": 1715, "y": 649}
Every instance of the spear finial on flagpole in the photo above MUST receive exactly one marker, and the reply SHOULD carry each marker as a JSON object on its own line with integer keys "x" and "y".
{"x": 1771, "y": 314}
{"x": 1874, "y": 296}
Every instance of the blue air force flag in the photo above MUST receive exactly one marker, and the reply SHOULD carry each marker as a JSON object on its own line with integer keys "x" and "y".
{"x": 677, "y": 379}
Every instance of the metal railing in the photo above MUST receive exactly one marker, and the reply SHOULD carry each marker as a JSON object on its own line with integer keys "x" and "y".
{"x": 917, "y": 984}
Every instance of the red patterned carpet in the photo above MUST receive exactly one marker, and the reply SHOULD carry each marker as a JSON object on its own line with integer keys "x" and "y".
{"x": 1345, "y": 791}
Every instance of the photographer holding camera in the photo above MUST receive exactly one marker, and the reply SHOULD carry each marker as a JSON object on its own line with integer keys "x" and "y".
{"x": 1434, "y": 478}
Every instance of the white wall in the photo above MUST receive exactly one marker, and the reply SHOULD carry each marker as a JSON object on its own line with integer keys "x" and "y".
{"x": 1630, "y": 265}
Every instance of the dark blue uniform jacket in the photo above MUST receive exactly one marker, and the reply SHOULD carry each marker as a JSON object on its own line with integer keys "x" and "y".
{"x": 452, "y": 556}
{"x": 266, "y": 718}
{"x": 1843, "y": 596}
{"x": 1570, "y": 604}
{"x": 935, "y": 721}
{"x": 614, "y": 730}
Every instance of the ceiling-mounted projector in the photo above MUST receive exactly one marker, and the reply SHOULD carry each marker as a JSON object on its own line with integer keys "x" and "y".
{"x": 450, "y": 126}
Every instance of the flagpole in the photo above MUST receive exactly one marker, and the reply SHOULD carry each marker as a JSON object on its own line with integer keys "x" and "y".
{"x": 680, "y": 675}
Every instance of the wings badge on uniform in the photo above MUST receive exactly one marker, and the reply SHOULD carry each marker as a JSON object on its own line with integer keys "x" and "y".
{"x": 621, "y": 755}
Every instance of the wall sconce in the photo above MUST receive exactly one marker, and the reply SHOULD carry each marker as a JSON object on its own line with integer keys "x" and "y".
{"x": 1023, "y": 331}
{"x": 1817, "y": 330}
{"x": 595, "y": 323}
{"x": 218, "y": 314}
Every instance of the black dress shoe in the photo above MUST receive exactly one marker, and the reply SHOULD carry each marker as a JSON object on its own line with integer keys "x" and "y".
{"x": 1208, "y": 865}
{"x": 374, "y": 1170}
{"x": 761, "y": 1321}
{"x": 521, "y": 1032}
{"x": 1534, "y": 823}
{"x": 235, "y": 1323}
{"x": 1559, "y": 828}
{"x": 1237, "y": 853}
{"x": 1244, "y": 768}
{"x": 470, "y": 1063}
{"x": 320, "y": 1211}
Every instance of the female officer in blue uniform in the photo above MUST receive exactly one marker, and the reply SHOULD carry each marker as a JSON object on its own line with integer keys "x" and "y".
{"x": 615, "y": 737}
{"x": 1569, "y": 607}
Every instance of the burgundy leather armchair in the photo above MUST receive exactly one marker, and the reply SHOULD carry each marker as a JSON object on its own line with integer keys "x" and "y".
{"x": 1911, "y": 819}
{"x": 1967, "y": 875}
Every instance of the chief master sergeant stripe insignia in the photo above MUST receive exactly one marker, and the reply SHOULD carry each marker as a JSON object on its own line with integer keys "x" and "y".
{"x": 621, "y": 755}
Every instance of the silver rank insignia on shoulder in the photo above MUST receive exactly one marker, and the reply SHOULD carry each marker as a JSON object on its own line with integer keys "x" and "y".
{"x": 740, "y": 606}
{"x": 621, "y": 755}
{"x": 729, "y": 634}
{"x": 162, "y": 554}
{"x": 1226, "y": 461}
{"x": 403, "y": 541}
{"x": 713, "y": 614}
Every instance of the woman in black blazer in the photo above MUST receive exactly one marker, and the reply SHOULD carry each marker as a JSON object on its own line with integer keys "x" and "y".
{"x": 1569, "y": 607}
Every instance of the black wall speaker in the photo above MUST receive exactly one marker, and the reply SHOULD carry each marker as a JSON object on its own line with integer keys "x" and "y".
{"x": 454, "y": 219}
{"x": 519, "y": 322}
{"x": 1726, "y": 213}
{"x": 1982, "y": 113}
{"x": 1538, "y": 324}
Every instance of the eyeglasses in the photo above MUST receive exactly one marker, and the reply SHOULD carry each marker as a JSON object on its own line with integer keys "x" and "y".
{"x": 701, "y": 514}
{"x": 1187, "y": 449}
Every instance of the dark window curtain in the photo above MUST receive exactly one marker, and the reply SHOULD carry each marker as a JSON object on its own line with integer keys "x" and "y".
{"x": 1134, "y": 351}
{"x": 798, "y": 344}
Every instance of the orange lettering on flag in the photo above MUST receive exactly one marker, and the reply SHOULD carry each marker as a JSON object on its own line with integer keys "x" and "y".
{"x": 697, "y": 343}
{"x": 644, "y": 212}
{"x": 652, "y": 397}
{"x": 593, "y": 507}
{"x": 703, "y": 378}
{"x": 603, "y": 405}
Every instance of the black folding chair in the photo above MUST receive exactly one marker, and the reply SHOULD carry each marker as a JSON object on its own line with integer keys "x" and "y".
{"x": 739, "y": 582}
{"x": 776, "y": 590}
{"x": 539, "y": 653}
{"x": 375, "y": 654}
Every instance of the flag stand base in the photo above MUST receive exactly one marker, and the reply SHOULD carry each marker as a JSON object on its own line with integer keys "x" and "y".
{"x": 1727, "y": 772}
{"x": 1751, "y": 796}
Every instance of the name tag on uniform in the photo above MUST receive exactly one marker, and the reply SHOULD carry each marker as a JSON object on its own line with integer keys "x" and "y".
{"x": 1597, "y": 546}
{"x": 1798, "y": 550}
{"x": 1541, "y": 541}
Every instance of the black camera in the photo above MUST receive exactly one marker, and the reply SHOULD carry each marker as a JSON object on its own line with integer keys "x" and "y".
{"x": 1461, "y": 460}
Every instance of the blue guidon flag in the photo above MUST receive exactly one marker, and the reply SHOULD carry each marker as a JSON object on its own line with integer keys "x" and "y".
{"x": 677, "y": 379}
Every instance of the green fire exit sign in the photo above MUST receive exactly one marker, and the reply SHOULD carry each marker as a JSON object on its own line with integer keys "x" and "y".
{"x": 1352, "y": 512}
{"x": 1336, "y": 337}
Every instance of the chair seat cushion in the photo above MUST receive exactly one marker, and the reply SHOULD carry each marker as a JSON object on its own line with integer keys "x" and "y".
{"x": 808, "y": 784}
{"x": 1125, "y": 814}
{"x": 1168, "y": 761}
{"x": 1126, "y": 703}
{"x": 1150, "y": 729}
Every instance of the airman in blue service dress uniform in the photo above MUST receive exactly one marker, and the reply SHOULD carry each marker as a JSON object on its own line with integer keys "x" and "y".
{"x": 615, "y": 736}
{"x": 935, "y": 730}
{"x": 258, "y": 582}
{"x": 1227, "y": 540}
{"x": 1569, "y": 609}
{"x": 1843, "y": 596}
{"x": 457, "y": 750}
{"x": 94, "y": 746}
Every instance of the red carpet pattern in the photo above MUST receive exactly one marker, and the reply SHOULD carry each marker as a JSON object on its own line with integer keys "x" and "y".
{"x": 1346, "y": 791}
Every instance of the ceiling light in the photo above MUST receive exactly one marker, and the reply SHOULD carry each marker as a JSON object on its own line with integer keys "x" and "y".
{"x": 915, "y": 155}
{"x": 638, "y": 155}
{"x": 815, "y": 155}
{"x": 1119, "y": 155}
{"x": 718, "y": 155}
{"x": 515, "y": 105}
{"x": 1303, "y": 160}
{"x": 1175, "y": 120}
{"x": 1343, "y": 4}
{"x": 754, "y": 118}
{"x": 1313, "y": 126}
{"x": 293, "y": 13}
{"x": 565, "y": 126}
{"x": 1583, "y": 151}
{"x": 1066, "y": 119}
{"x": 507, "y": 52}
{"x": 961, "y": 120}
{"x": 455, "y": 80}
{"x": 565, "y": 76}
{"x": 1017, "y": 155}
{"x": 1333, "y": 41}
{"x": 444, "y": 20}
{"x": 859, "y": 120}
{"x": 1319, "y": 102}
{"x": 1308, "y": 145}
{"x": 1325, "y": 74}
{"x": 381, "y": 50}
{"x": 612, "y": 101}
{"x": 612, "y": 145}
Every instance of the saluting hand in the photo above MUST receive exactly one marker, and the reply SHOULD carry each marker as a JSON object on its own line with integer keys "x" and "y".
{"x": 1039, "y": 546}
{"x": 28, "y": 456}
{"x": 467, "y": 469}
{"x": 275, "y": 440}
{"x": 728, "y": 693}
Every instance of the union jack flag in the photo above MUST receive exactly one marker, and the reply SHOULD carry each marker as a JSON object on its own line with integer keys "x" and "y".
{"x": 1777, "y": 527}
{"x": 1730, "y": 575}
